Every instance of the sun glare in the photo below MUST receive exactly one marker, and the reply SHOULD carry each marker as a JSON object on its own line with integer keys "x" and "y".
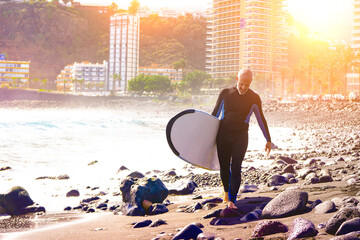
{"x": 328, "y": 18}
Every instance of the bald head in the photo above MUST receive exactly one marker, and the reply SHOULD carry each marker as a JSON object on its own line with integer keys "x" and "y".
{"x": 245, "y": 74}
{"x": 243, "y": 80}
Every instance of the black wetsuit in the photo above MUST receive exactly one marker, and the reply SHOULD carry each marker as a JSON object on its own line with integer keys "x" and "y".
{"x": 232, "y": 139}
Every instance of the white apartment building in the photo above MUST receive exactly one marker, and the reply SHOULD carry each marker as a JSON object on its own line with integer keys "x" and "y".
{"x": 173, "y": 74}
{"x": 83, "y": 77}
{"x": 247, "y": 33}
{"x": 14, "y": 73}
{"x": 124, "y": 50}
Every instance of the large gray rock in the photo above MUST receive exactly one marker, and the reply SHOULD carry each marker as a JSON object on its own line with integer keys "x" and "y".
{"x": 344, "y": 214}
{"x": 15, "y": 201}
{"x": 349, "y": 226}
{"x": 302, "y": 228}
{"x": 276, "y": 180}
{"x": 325, "y": 207}
{"x": 287, "y": 203}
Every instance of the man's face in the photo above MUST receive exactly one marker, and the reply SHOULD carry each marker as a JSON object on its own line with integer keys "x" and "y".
{"x": 243, "y": 85}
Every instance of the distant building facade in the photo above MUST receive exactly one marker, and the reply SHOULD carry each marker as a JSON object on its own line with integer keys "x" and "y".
{"x": 123, "y": 51}
{"x": 14, "y": 73}
{"x": 353, "y": 83}
{"x": 173, "y": 74}
{"x": 83, "y": 77}
{"x": 246, "y": 34}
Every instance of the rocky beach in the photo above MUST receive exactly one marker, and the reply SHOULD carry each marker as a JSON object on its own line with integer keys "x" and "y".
{"x": 311, "y": 191}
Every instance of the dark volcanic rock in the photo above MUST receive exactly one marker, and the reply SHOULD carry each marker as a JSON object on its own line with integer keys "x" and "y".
{"x": 141, "y": 224}
{"x": 277, "y": 180}
{"x": 151, "y": 189}
{"x": 344, "y": 214}
{"x": 227, "y": 212}
{"x": 15, "y": 201}
{"x": 157, "y": 209}
{"x": 73, "y": 193}
{"x": 157, "y": 223}
{"x": 268, "y": 227}
{"x": 287, "y": 203}
{"x": 302, "y": 228}
{"x": 136, "y": 174}
{"x": 348, "y": 226}
{"x": 190, "y": 231}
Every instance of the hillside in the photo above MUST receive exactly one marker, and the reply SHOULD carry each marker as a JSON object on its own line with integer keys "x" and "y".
{"x": 52, "y": 36}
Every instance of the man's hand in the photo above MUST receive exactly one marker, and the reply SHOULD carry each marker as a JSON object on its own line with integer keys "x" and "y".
{"x": 268, "y": 147}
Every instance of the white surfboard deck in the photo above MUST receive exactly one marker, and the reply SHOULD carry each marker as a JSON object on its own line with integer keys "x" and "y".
{"x": 191, "y": 135}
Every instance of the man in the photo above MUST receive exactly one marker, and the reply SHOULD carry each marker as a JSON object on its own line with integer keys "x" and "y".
{"x": 235, "y": 106}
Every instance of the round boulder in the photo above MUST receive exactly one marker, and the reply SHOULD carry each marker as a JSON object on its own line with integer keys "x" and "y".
{"x": 287, "y": 203}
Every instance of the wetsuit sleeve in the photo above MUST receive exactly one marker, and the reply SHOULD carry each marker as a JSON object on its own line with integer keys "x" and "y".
{"x": 261, "y": 120}
{"x": 219, "y": 104}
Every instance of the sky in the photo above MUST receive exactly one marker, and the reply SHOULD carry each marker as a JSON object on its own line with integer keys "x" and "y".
{"x": 331, "y": 19}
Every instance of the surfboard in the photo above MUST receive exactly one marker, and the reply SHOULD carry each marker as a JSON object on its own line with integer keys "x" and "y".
{"x": 191, "y": 135}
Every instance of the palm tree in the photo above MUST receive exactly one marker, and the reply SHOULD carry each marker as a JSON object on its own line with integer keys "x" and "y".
{"x": 116, "y": 78}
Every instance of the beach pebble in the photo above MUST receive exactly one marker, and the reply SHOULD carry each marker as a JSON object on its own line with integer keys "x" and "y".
{"x": 325, "y": 207}
{"x": 209, "y": 206}
{"x": 248, "y": 188}
{"x": 302, "y": 173}
{"x": 212, "y": 200}
{"x": 289, "y": 169}
{"x": 287, "y": 203}
{"x": 302, "y": 228}
{"x": 122, "y": 168}
{"x": 157, "y": 208}
{"x": 193, "y": 207}
{"x": 68, "y": 208}
{"x": 276, "y": 180}
{"x": 157, "y": 223}
{"x": 344, "y": 214}
{"x": 73, "y": 193}
{"x": 268, "y": 227}
{"x": 142, "y": 224}
{"x": 182, "y": 187}
{"x": 348, "y": 226}
{"x": 293, "y": 180}
{"x": 136, "y": 174}
{"x": 190, "y": 231}
{"x": 205, "y": 236}
{"x": 5, "y": 168}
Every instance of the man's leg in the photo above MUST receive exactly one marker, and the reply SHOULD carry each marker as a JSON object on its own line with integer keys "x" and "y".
{"x": 224, "y": 155}
{"x": 239, "y": 148}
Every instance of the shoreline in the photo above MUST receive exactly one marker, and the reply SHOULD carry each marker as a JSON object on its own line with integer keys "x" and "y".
{"x": 330, "y": 134}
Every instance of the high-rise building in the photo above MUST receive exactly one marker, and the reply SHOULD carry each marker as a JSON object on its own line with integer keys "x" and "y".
{"x": 124, "y": 50}
{"x": 14, "y": 73}
{"x": 246, "y": 33}
{"x": 355, "y": 38}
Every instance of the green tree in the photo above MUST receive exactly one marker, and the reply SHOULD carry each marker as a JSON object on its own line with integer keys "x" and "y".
{"x": 158, "y": 84}
{"x": 137, "y": 84}
{"x": 134, "y": 7}
{"x": 195, "y": 80}
{"x": 346, "y": 58}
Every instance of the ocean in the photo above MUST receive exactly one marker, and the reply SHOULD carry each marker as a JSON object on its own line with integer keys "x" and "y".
{"x": 51, "y": 142}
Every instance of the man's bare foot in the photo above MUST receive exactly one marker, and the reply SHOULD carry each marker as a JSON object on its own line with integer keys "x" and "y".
{"x": 231, "y": 205}
{"x": 226, "y": 197}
